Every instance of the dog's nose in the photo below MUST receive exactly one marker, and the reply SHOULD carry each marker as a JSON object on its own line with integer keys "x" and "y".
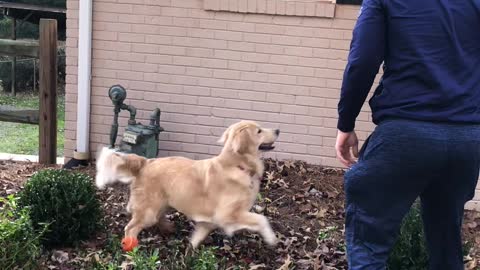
{"x": 277, "y": 132}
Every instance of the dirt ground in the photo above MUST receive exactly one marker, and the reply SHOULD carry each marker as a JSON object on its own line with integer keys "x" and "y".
{"x": 303, "y": 202}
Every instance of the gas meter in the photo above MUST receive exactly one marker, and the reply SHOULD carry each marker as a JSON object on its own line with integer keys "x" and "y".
{"x": 138, "y": 138}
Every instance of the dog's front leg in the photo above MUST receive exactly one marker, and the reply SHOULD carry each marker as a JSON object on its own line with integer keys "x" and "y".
{"x": 201, "y": 231}
{"x": 252, "y": 222}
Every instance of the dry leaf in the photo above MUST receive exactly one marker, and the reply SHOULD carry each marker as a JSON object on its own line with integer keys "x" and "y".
{"x": 286, "y": 264}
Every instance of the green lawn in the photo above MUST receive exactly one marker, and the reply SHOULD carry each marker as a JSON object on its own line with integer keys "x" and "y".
{"x": 23, "y": 138}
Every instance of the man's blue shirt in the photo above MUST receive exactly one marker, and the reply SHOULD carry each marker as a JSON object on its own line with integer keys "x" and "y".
{"x": 430, "y": 51}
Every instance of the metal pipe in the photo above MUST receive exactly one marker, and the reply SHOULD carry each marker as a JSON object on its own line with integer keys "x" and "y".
{"x": 84, "y": 77}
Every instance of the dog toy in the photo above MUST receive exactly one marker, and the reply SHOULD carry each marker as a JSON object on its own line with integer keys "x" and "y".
{"x": 128, "y": 243}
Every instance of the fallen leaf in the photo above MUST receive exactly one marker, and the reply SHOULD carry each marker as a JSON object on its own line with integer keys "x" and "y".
{"x": 286, "y": 264}
{"x": 59, "y": 256}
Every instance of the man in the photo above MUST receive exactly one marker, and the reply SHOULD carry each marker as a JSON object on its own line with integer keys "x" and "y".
{"x": 427, "y": 140}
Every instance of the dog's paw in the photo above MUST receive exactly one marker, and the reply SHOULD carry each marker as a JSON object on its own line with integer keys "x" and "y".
{"x": 270, "y": 238}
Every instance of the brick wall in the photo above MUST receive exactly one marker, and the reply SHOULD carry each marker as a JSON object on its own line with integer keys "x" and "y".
{"x": 207, "y": 64}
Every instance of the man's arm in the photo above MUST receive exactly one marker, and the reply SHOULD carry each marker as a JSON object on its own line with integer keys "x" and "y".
{"x": 366, "y": 54}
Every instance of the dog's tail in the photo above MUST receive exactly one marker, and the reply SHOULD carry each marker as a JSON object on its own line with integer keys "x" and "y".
{"x": 114, "y": 167}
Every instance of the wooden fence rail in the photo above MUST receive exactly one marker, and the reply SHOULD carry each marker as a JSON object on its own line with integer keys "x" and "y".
{"x": 29, "y": 48}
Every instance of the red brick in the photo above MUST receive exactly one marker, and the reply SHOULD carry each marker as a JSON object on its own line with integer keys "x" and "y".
{"x": 227, "y": 54}
{"x": 158, "y": 39}
{"x": 187, "y": 61}
{"x": 241, "y": 26}
{"x": 144, "y": 67}
{"x": 284, "y": 60}
{"x": 169, "y": 69}
{"x": 281, "y": 8}
{"x": 280, "y": 98}
{"x": 315, "y": 42}
{"x": 238, "y": 65}
{"x": 238, "y": 104}
{"x": 271, "y": 68}
{"x": 269, "y": 48}
{"x": 214, "y": 63}
{"x": 255, "y": 57}
{"x": 211, "y": 82}
{"x": 257, "y": 38}
{"x": 158, "y": 20}
{"x": 185, "y": 80}
{"x": 252, "y": 95}
{"x": 283, "y": 79}
{"x": 144, "y": 48}
{"x": 329, "y": 132}
{"x": 229, "y": 35}
{"x": 155, "y": 77}
{"x": 211, "y": 101}
{"x": 242, "y": 5}
{"x": 159, "y": 59}
{"x": 311, "y": 81}
{"x": 286, "y": 40}
{"x": 199, "y": 72}
{"x": 213, "y": 24}
{"x": 104, "y": 35}
{"x": 130, "y": 37}
{"x": 239, "y": 84}
{"x": 251, "y": 6}
{"x": 299, "y": 51}
{"x": 261, "y": 6}
{"x": 196, "y": 90}
{"x": 174, "y": 12}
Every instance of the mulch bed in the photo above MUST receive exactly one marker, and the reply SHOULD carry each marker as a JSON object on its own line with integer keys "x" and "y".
{"x": 305, "y": 204}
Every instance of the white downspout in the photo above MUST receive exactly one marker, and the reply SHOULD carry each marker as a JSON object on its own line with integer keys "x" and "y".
{"x": 84, "y": 79}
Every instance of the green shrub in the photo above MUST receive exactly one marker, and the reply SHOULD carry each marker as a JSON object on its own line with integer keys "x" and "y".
{"x": 144, "y": 261}
{"x": 205, "y": 259}
{"x": 19, "y": 242}
{"x": 24, "y": 73}
{"x": 25, "y": 30}
{"x": 65, "y": 199}
{"x": 410, "y": 251}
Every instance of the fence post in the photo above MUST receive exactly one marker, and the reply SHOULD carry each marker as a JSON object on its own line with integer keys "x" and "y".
{"x": 48, "y": 92}
{"x": 14, "y": 60}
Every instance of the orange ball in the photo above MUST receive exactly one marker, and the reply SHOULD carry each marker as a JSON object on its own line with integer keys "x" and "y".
{"x": 129, "y": 243}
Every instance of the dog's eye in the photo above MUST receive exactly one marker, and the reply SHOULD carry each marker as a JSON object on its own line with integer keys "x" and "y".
{"x": 259, "y": 131}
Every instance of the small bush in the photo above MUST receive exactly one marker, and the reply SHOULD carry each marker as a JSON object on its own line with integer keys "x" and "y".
{"x": 19, "y": 243}
{"x": 144, "y": 261}
{"x": 25, "y": 69}
{"x": 205, "y": 259}
{"x": 65, "y": 199}
{"x": 410, "y": 251}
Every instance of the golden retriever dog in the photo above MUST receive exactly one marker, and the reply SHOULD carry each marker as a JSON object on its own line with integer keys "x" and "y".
{"x": 218, "y": 192}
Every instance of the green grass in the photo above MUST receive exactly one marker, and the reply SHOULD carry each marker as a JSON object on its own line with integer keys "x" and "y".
{"x": 16, "y": 138}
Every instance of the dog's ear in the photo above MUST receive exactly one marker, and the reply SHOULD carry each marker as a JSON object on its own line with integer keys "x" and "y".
{"x": 241, "y": 141}
{"x": 225, "y": 136}
{"x": 134, "y": 163}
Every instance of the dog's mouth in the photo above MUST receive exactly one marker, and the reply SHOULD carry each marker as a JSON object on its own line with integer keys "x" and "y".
{"x": 266, "y": 146}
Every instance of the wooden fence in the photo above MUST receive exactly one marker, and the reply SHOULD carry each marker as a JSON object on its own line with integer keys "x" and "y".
{"x": 46, "y": 117}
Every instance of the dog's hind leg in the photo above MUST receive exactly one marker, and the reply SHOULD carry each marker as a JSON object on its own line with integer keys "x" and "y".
{"x": 201, "y": 231}
{"x": 252, "y": 222}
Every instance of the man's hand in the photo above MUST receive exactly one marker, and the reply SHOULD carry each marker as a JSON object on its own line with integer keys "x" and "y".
{"x": 346, "y": 145}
